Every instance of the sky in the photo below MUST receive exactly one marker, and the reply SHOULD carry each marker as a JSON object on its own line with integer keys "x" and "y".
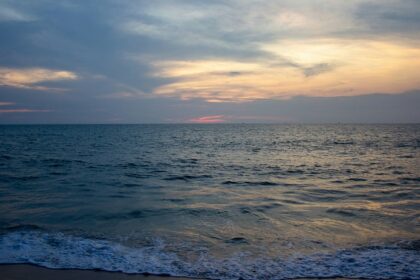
{"x": 203, "y": 61}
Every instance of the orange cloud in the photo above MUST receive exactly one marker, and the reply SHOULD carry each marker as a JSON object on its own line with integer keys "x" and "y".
{"x": 29, "y": 78}
{"x": 208, "y": 119}
{"x": 311, "y": 67}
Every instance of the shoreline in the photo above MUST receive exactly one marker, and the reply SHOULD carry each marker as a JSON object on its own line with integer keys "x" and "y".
{"x": 31, "y": 271}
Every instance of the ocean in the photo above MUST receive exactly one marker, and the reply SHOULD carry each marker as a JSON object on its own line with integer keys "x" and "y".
{"x": 225, "y": 201}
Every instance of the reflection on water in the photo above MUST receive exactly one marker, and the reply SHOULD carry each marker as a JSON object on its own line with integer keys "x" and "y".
{"x": 267, "y": 191}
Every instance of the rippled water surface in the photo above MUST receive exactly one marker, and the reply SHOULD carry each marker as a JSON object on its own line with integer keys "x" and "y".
{"x": 216, "y": 201}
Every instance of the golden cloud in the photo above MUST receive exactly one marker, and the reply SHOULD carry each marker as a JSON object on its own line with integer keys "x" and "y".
{"x": 29, "y": 78}
{"x": 322, "y": 67}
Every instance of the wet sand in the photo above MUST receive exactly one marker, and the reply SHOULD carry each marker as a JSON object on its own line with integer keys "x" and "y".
{"x": 32, "y": 272}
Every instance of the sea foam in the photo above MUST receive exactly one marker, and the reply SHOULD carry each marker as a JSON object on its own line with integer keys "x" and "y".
{"x": 57, "y": 250}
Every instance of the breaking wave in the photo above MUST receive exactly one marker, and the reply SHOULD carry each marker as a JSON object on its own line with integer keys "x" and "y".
{"x": 58, "y": 250}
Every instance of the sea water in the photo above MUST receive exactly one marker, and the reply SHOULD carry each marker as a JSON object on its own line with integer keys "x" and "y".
{"x": 214, "y": 201}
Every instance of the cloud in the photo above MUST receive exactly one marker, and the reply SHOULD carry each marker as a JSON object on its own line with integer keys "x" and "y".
{"x": 236, "y": 119}
{"x": 261, "y": 119}
{"x": 125, "y": 95}
{"x": 18, "y": 110}
{"x": 229, "y": 52}
{"x": 29, "y": 78}
{"x": 197, "y": 67}
{"x": 12, "y": 111}
{"x": 208, "y": 119}
{"x": 389, "y": 17}
{"x": 317, "y": 69}
{"x": 6, "y": 103}
{"x": 312, "y": 67}
{"x": 228, "y": 25}
{"x": 239, "y": 25}
{"x": 10, "y": 14}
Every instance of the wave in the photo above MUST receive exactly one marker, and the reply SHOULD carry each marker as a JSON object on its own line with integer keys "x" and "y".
{"x": 58, "y": 250}
{"x": 186, "y": 177}
{"x": 250, "y": 183}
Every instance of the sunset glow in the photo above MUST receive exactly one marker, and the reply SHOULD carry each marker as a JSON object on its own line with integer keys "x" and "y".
{"x": 324, "y": 67}
{"x": 184, "y": 61}
{"x": 209, "y": 139}
{"x": 208, "y": 119}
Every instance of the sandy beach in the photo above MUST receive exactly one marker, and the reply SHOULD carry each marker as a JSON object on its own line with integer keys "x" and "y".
{"x": 30, "y": 272}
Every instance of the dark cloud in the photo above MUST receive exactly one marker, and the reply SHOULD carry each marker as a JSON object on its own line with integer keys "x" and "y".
{"x": 317, "y": 69}
{"x": 390, "y": 18}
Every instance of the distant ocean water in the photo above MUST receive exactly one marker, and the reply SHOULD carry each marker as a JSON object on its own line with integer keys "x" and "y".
{"x": 215, "y": 201}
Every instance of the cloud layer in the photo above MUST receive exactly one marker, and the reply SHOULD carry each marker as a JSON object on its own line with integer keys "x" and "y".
{"x": 101, "y": 56}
